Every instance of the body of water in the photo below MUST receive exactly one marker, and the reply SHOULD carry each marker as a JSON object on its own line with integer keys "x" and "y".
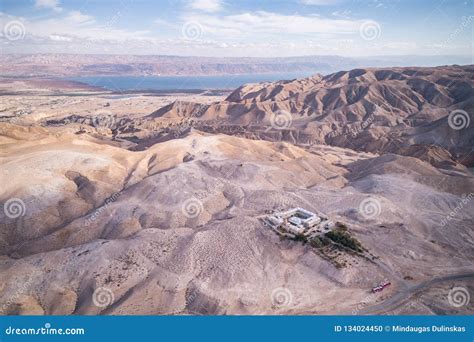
{"x": 183, "y": 83}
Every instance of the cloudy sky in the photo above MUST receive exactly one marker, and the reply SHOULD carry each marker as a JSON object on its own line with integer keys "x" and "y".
{"x": 239, "y": 28}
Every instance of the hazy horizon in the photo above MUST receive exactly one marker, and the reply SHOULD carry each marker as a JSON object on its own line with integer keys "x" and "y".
{"x": 230, "y": 57}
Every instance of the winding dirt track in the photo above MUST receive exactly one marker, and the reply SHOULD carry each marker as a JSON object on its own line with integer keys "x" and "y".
{"x": 407, "y": 293}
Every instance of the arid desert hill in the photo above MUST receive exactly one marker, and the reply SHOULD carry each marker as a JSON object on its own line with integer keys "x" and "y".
{"x": 176, "y": 226}
{"x": 162, "y": 213}
{"x": 370, "y": 110}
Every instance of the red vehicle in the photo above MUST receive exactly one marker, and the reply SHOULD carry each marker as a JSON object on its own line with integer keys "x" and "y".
{"x": 381, "y": 287}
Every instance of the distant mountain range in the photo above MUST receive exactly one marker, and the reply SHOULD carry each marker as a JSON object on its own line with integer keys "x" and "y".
{"x": 408, "y": 111}
{"x": 63, "y": 65}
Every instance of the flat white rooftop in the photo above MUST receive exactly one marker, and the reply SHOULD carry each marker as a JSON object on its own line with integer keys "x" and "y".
{"x": 296, "y": 220}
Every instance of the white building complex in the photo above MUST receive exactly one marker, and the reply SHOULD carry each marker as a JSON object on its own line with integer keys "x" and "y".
{"x": 298, "y": 221}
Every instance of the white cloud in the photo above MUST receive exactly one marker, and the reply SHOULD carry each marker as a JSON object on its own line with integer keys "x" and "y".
{"x": 206, "y": 5}
{"x": 59, "y": 38}
{"x": 320, "y": 2}
{"x": 74, "y": 25}
{"x": 50, "y": 4}
{"x": 252, "y": 33}
{"x": 346, "y": 14}
{"x": 262, "y": 23}
{"x": 77, "y": 17}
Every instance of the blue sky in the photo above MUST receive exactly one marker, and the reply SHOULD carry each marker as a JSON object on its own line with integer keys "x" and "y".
{"x": 239, "y": 28}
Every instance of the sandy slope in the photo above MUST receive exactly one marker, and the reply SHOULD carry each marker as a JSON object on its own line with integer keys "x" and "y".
{"x": 174, "y": 228}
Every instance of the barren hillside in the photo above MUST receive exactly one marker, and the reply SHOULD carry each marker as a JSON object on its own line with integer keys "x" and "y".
{"x": 370, "y": 110}
{"x": 161, "y": 213}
